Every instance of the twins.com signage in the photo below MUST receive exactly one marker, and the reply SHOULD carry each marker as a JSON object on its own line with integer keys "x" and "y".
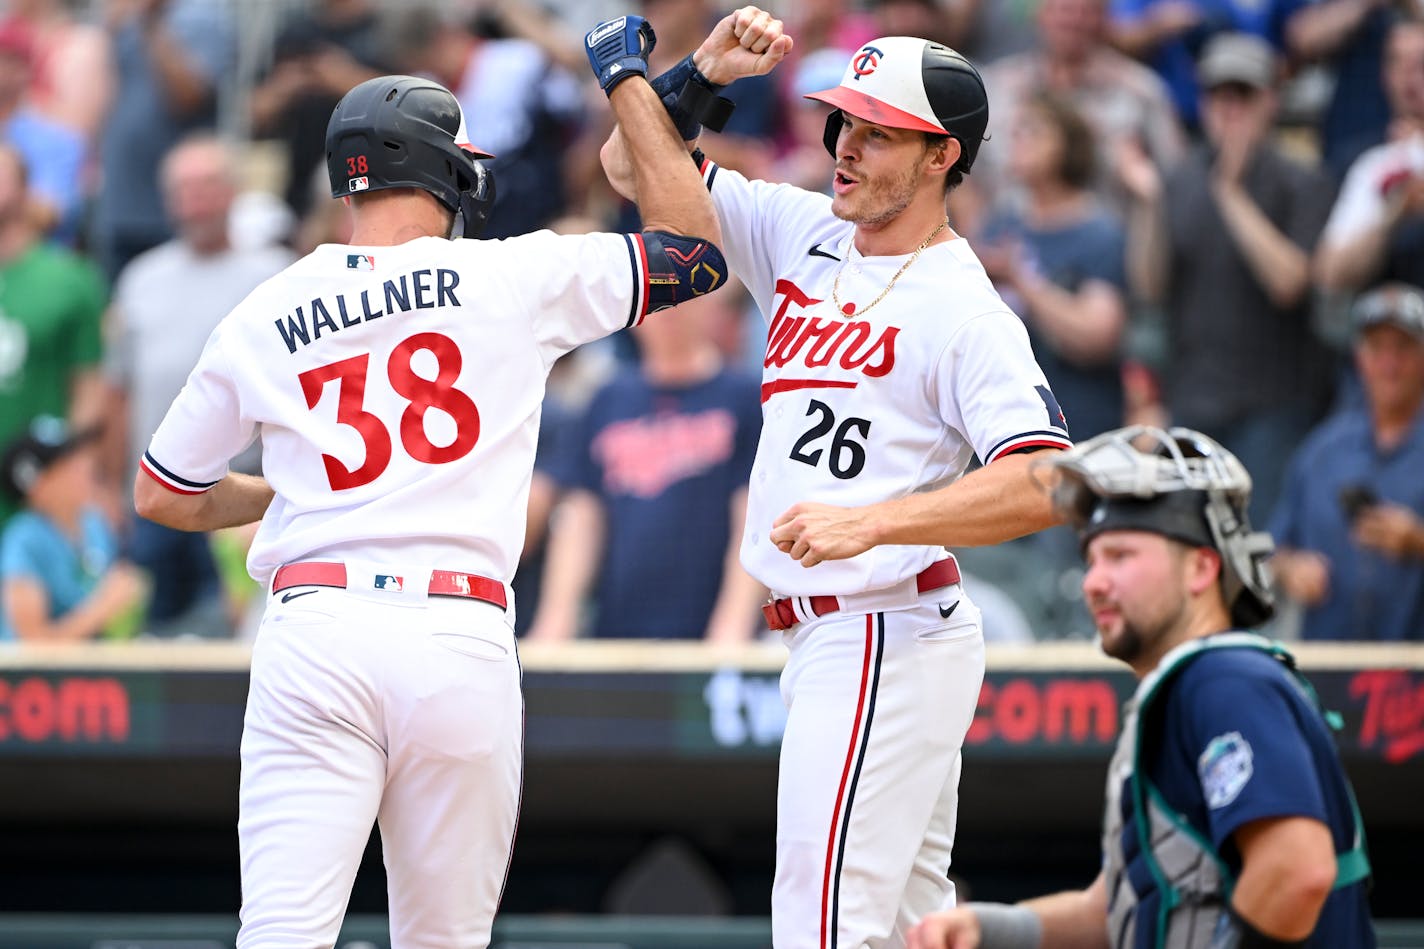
{"x": 1075, "y": 714}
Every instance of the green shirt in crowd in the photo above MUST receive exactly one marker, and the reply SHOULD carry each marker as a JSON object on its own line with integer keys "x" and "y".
{"x": 51, "y": 310}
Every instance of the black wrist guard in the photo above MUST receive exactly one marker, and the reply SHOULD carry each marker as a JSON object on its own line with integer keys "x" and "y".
{"x": 691, "y": 100}
{"x": 1235, "y": 932}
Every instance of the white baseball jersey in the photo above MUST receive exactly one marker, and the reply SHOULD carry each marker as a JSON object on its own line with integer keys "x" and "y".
{"x": 865, "y": 408}
{"x": 396, "y": 391}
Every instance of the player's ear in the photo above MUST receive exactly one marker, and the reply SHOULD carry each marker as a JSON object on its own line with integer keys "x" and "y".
{"x": 941, "y": 153}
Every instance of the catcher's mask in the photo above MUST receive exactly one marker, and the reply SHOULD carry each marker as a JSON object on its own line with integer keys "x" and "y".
{"x": 1182, "y": 485}
{"x": 909, "y": 83}
{"x": 405, "y": 132}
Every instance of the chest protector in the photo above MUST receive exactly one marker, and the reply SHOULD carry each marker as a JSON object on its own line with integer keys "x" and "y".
{"x": 1193, "y": 881}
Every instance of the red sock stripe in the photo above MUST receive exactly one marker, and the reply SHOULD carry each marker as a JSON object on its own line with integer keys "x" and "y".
{"x": 845, "y": 776}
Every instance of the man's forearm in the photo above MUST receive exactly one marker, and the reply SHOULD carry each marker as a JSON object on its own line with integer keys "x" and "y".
{"x": 1346, "y": 265}
{"x": 1279, "y": 266}
{"x": 670, "y": 194}
{"x": 996, "y": 503}
{"x": 235, "y": 500}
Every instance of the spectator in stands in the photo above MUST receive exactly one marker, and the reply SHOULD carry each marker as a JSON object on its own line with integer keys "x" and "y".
{"x": 656, "y": 486}
{"x": 1122, "y": 100}
{"x": 1355, "y": 37}
{"x": 53, "y": 152}
{"x": 1059, "y": 261}
{"x": 1223, "y": 244}
{"x": 318, "y": 55}
{"x": 1376, "y": 230}
{"x": 72, "y": 80}
{"x": 530, "y": 105}
{"x": 60, "y": 576}
{"x": 1170, "y": 35}
{"x": 1350, "y": 525}
{"x": 166, "y": 303}
{"x": 51, "y": 310}
{"x": 171, "y": 56}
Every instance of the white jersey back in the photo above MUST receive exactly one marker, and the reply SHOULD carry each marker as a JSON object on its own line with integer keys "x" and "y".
{"x": 396, "y": 391}
{"x": 877, "y": 405}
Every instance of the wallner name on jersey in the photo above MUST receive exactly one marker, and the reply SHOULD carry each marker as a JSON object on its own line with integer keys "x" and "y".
{"x": 418, "y": 290}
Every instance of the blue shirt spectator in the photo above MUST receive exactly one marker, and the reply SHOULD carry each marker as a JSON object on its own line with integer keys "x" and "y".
{"x": 60, "y": 576}
{"x": 1350, "y": 523}
{"x": 54, "y": 161}
{"x": 655, "y": 479}
{"x": 69, "y": 568}
{"x": 1069, "y": 255}
{"x": 665, "y": 462}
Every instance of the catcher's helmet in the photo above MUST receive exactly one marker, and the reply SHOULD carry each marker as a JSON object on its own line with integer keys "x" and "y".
{"x": 404, "y": 132}
{"x": 910, "y": 83}
{"x": 1184, "y": 486}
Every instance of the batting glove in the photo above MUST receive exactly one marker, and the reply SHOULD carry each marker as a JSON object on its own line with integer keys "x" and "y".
{"x": 619, "y": 48}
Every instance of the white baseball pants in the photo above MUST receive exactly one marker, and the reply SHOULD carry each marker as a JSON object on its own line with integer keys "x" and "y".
{"x": 405, "y": 713}
{"x": 878, "y": 707}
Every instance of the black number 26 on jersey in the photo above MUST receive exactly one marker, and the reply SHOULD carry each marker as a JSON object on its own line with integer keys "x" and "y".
{"x": 846, "y": 458}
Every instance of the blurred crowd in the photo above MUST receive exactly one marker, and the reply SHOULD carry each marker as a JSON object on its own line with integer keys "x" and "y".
{"x": 1207, "y": 213}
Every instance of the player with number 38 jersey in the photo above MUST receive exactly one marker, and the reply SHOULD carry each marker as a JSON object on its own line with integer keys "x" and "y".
{"x": 397, "y": 392}
{"x": 395, "y": 384}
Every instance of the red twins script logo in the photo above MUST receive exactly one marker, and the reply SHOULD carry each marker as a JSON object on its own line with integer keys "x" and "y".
{"x": 812, "y": 342}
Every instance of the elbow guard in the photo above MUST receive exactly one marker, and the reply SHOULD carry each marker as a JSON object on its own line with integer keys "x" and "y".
{"x": 680, "y": 268}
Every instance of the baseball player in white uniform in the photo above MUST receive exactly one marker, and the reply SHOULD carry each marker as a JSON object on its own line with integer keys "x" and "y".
{"x": 395, "y": 384}
{"x": 890, "y": 361}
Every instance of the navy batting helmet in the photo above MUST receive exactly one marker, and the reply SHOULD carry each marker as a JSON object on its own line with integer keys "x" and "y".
{"x": 404, "y": 132}
{"x": 909, "y": 83}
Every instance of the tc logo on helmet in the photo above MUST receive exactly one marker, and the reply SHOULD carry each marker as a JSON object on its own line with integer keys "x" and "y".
{"x": 866, "y": 61}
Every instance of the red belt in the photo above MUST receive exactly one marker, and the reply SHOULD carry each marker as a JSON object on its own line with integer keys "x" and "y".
{"x": 780, "y": 614}
{"x": 442, "y": 582}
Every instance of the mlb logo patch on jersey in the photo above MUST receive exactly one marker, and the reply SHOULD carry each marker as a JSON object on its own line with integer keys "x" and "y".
{"x": 359, "y": 184}
{"x": 360, "y": 262}
{"x": 384, "y": 581}
{"x": 1225, "y": 768}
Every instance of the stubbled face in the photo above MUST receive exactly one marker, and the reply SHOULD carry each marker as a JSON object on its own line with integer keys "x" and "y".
{"x": 878, "y": 171}
{"x": 1136, "y": 589}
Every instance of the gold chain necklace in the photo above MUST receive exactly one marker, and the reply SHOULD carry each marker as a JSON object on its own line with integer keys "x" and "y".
{"x": 849, "y": 308}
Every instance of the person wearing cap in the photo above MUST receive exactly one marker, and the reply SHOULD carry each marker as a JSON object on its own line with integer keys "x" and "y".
{"x": 1222, "y": 244}
{"x": 1229, "y": 822}
{"x": 1350, "y": 522}
{"x": 61, "y": 578}
{"x": 890, "y": 362}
